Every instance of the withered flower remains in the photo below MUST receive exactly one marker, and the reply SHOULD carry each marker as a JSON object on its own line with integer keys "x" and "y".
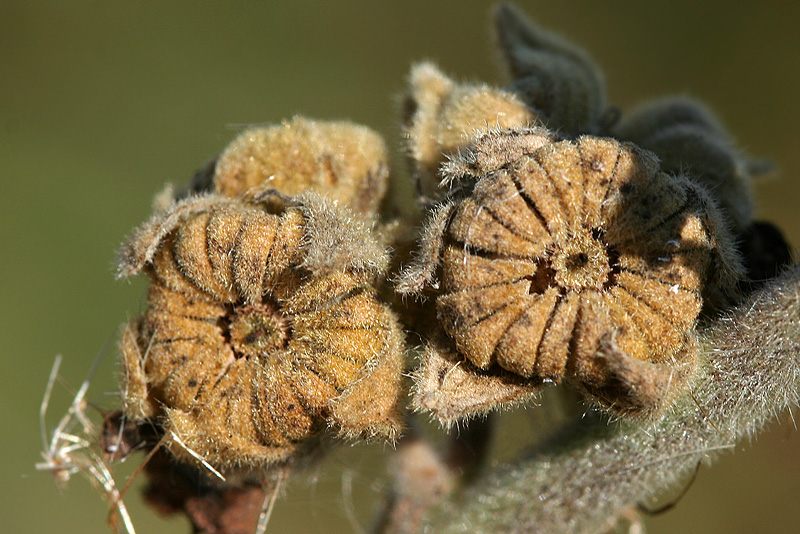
{"x": 262, "y": 329}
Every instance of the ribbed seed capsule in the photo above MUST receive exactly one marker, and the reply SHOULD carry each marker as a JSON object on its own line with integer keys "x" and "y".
{"x": 578, "y": 247}
{"x": 579, "y": 240}
{"x": 243, "y": 350}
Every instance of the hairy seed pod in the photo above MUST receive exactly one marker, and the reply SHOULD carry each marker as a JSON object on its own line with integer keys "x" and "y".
{"x": 249, "y": 345}
{"x": 561, "y": 258}
{"x": 341, "y": 160}
{"x": 442, "y": 116}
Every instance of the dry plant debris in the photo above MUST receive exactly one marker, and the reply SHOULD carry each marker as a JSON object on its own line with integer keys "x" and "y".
{"x": 74, "y": 448}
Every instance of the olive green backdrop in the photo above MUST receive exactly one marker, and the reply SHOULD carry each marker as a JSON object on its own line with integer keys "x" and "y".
{"x": 103, "y": 102}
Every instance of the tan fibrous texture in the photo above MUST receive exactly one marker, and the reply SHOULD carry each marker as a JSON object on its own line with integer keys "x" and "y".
{"x": 341, "y": 160}
{"x": 580, "y": 259}
{"x": 250, "y": 343}
{"x": 444, "y": 386}
{"x": 443, "y": 116}
{"x": 688, "y": 139}
{"x": 552, "y": 76}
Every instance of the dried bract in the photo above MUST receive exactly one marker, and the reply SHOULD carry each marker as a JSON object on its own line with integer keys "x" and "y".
{"x": 341, "y": 160}
{"x": 258, "y": 334}
{"x": 453, "y": 390}
{"x": 580, "y": 260}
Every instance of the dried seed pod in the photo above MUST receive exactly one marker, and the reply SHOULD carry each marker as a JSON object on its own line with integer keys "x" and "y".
{"x": 575, "y": 250}
{"x": 443, "y": 116}
{"x": 251, "y": 343}
{"x": 551, "y": 75}
{"x": 688, "y": 139}
{"x": 342, "y": 160}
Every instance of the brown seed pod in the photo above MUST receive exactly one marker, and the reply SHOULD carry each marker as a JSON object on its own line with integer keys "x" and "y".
{"x": 566, "y": 261}
{"x": 254, "y": 339}
{"x": 341, "y": 160}
{"x": 443, "y": 116}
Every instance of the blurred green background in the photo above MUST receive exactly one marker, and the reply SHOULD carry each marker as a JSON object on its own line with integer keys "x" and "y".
{"x": 103, "y": 102}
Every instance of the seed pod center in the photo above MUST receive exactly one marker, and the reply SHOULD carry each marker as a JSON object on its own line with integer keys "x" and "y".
{"x": 581, "y": 263}
{"x": 258, "y": 329}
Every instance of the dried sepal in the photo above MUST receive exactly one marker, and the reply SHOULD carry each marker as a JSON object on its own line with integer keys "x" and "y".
{"x": 344, "y": 161}
{"x": 572, "y": 244}
{"x": 453, "y": 389}
{"x": 421, "y": 271}
{"x": 489, "y": 151}
{"x": 631, "y": 387}
{"x": 339, "y": 239}
{"x": 247, "y": 350}
{"x": 689, "y": 140}
{"x": 551, "y": 75}
{"x": 443, "y": 116}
